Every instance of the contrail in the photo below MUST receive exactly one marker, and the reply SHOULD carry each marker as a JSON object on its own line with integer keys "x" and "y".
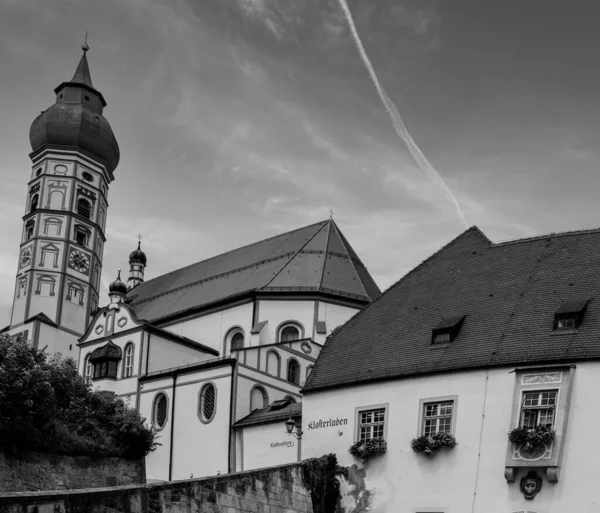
{"x": 401, "y": 130}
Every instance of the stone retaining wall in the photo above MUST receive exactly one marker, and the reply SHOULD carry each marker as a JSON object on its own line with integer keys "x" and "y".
{"x": 272, "y": 490}
{"x": 38, "y": 471}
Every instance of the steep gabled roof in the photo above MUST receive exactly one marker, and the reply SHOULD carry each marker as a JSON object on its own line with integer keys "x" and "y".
{"x": 509, "y": 293}
{"x": 315, "y": 258}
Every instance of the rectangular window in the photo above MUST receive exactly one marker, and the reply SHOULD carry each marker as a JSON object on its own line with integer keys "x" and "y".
{"x": 371, "y": 424}
{"x": 437, "y": 417}
{"x": 537, "y": 408}
{"x": 442, "y": 338}
{"x": 567, "y": 323}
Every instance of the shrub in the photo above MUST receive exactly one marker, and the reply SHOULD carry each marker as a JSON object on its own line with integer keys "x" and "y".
{"x": 367, "y": 448}
{"x": 430, "y": 445}
{"x": 529, "y": 438}
{"x": 320, "y": 475}
{"x": 45, "y": 405}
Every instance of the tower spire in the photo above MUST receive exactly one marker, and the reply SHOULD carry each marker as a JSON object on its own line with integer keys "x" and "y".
{"x": 82, "y": 73}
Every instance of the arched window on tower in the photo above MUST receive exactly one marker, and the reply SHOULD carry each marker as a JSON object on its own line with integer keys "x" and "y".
{"x": 88, "y": 370}
{"x": 293, "y": 371}
{"x": 75, "y": 293}
{"x": 34, "y": 202}
{"x": 84, "y": 208}
{"x": 289, "y": 332}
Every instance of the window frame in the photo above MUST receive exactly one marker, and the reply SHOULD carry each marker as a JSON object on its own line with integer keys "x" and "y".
{"x": 291, "y": 360}
{"x": 363, "y": 409}
{"x": 290, "y": 324}
{"x": 267, "y": 369}
{"x": 153, "y": 412}
{"x": 539, "y": 408}
{"x": 79, "y": 209}
{"x": 88, "y": 369}
{"x": 128, "y": 345}
{"x": 265, "y": 396}
{"x": 199, "y": 411}
{"x": 436, "y": 400}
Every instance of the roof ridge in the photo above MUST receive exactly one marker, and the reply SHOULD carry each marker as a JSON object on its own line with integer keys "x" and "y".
{"x": 349, "y": 257}
{"x": 320, "y": 286}
{"x": 228, "y": 252}
{"x": 293, "y": 256}
{"x": 546, "y": 236}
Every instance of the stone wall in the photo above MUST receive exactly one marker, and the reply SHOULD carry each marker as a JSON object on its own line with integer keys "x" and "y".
{"x": 272, "y": 490}
{"x": 37, "y": 471}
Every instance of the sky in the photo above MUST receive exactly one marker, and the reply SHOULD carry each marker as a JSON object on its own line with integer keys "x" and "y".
{"x": 238, "y": 120}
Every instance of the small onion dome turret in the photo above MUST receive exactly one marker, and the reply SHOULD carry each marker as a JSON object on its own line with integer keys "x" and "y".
{"x": 138, "y": 256}
{"x": 75, "y": 120}
{"x": 117, "y": 286}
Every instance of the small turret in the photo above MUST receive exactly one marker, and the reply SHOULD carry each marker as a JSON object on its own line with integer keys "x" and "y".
{"x": 117, "y": 290}
{"x": 137, "y": 266}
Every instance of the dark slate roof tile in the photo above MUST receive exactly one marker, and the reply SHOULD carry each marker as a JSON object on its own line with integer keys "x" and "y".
{"x": 509, "y": 293}
{"x": 293, "y": 261}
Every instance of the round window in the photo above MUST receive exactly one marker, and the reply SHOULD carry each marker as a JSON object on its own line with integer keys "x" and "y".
{"x": 208, "y": 403}
{"x": 87, "y": 176}
{"x": 38, "y": 172}
{"x": 159, "y": 411}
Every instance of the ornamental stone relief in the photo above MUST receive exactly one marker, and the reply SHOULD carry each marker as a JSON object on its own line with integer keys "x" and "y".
{"x": 60, "y": 169}
{"x": 542, "y": 379}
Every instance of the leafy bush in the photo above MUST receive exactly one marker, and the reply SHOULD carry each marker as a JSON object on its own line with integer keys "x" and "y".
{"x": 430, "y": 445}
{"x": 46, "y": 406}
{"x": 367, "y": 448}
{"x": 320, "y": 475}
{"x": 529, "y": 438}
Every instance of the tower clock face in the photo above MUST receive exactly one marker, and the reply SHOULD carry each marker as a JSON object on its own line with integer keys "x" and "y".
{"x": 25, "y": 259}
{"x": 79, "y": 261}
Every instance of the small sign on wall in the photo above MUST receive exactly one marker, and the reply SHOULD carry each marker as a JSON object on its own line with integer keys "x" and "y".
{"x": 287, "y": 443}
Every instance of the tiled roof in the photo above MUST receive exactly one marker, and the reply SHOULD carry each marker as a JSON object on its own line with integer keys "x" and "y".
{"x": 266, "y": 415}
{"x": 509, "y": 293}
{"x": 315, "y": 258}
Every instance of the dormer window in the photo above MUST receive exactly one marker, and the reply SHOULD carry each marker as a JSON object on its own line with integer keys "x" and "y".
{"x": 569, "y": 315}
{"x": 447, "y": 330}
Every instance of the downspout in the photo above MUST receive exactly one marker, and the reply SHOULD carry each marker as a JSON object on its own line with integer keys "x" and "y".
{"x": 232, "y": 397}
{"x": 487, "y": 378}
{"x": 172, "y": 427}
{"x": 148, "y": 354}
{"x": 139, "y": 385}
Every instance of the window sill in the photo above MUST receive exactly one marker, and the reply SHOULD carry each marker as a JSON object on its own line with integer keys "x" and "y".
{"x": 569, "y": 331}
{"x": 439, "y": 346}
{"x": 105, "y": 377}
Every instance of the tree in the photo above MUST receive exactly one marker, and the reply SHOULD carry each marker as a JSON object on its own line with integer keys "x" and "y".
{"x": 45, "y": 405}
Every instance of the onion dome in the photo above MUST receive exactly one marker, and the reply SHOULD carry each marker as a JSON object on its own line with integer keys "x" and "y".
{"x": 138, "y": 256}
{"x": 117, "y": 286}
{"x": 76, "y": 120}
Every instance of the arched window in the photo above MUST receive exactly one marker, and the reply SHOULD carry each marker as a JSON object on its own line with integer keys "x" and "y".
{"x": 293, "y": 371}
{"x": 289, "y": 333}
{"x": 88, "y": 370}
{"x": 207, "y": 403}
{"x": 34, "y": 202}
{"x": 128, "y": 361}
{"x": 75, "y": 293}
{"x": 159, "y": 410}
{"x": 84, "y": 208}
{"x": 258, "y": 398}
{"x": 273, "y": 363}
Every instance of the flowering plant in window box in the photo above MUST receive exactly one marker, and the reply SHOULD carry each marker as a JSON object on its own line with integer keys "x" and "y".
{"x": 529, "y": 439}
{"x": 430, "y": 444}
{"x": 365, "y": 449}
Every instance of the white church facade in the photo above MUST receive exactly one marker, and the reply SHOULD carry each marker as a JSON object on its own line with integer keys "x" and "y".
{"x": 213, "y": 355}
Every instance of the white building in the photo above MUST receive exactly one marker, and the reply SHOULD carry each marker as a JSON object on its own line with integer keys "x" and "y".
{"x": 479, "y": 339}
{"x": 228, "y": 339}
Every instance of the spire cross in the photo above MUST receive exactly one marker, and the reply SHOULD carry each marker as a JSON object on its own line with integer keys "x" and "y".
{"x": 85, "y": 47}
{"x": 330, "y": 213}
{"x": 139, "y": 237}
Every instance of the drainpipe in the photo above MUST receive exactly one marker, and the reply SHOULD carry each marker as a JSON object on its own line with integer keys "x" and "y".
{"x": 172, "y": 427}
{"x": 232, "y": 401}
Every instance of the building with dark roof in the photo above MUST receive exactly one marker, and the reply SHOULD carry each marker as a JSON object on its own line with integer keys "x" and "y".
{"x": 194, "y": 350}
{"x": 479, "y": 340}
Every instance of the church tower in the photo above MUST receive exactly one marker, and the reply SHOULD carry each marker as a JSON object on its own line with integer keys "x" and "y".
{"x": 74, "y": 154}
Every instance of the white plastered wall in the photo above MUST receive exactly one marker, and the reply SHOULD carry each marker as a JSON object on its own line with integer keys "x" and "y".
{"x": 266, "y": 445}
{"x": 469, "y": 477}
